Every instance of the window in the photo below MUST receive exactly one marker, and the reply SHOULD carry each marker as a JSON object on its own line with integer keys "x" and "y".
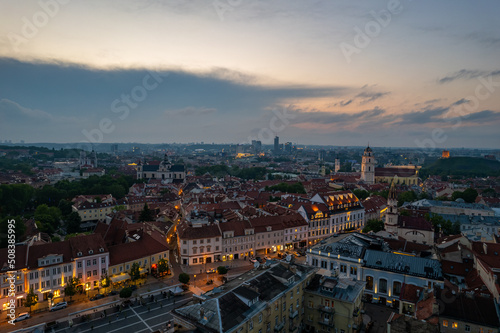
{"x": 89, "y": 274}
{"x": 454, "y": 325}
{"x": 396, "y": 288}
{"x": 103, "y": 271}
{"x": 343, "y": 268}
{"x": 445, "y": 323}
{"x": 260, "y": 318}
{"x": 88, "y": 262}
{"x": 467, "y": 328}
{"x": 369, "y": 283}
{"x": 354, "y": 270}
{"x": 80, "y": 276}
{"x": 79, "y": 265}
{"x": 94, "y": 262}
{"x": 103, "y": 260}
{"x": 250, "y": 325}
{"x": 382, "y": 288}
{"x": 195, "y": 261}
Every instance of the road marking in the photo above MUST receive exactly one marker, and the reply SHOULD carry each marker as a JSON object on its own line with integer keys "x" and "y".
{"x": 142, "y": 320}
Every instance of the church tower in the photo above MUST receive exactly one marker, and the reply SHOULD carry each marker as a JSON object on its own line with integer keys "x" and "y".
{"x": 391, "y": 215}
{"x": 368, "y": 166}
{"x": 337, "y": 164}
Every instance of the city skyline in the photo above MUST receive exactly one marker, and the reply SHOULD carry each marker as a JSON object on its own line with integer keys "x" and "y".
{"x": 392, "y": 73}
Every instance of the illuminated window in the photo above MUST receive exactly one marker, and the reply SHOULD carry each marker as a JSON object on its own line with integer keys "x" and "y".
{"x": 454, "y": 325}
{"x": 445, "y": 323}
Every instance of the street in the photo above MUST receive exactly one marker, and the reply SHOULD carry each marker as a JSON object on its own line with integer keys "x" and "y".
{"x": 134, "y": 317}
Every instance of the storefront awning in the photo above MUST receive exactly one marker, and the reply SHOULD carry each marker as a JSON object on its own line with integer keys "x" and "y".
{"x": 120, "y": 278}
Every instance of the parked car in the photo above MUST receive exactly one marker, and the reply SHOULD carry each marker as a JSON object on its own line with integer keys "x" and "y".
{"x": 96, "y": 297}
{"x": 133, "y": 287}
{"x": 253, "y": 260}
{"x": 22, "y": 316}
{"x": 113, "y": 292}
{"x": 268, "y": 258}
{"x": 59, "y": 306}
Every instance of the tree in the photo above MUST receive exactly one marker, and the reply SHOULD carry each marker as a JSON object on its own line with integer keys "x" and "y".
{"x": 469, "y": 195}
{"x": 73, "y": 222}
{"x": 373, "y": 225}
{"x": 408, "y": 196}
{"x": 105, "y": 282}
{"x": 162, "y": 266}
{"x": 70, "y": 289}
{"x": 126, "y": 292}
{"x": 184, "y": 278}
{"x": 135, "y": 271}
{"x": 146, "y": 214}
{"x": 31, "y": 299}
{"x": 221, "y": 270}
{"x": 65, "y": 206}
{"x": 361, "y": 194}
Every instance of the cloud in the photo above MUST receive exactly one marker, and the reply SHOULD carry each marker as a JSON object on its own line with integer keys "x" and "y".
{"x": 460, "y": 101}
{"x": 362, "y": 98}
{"x": 191, "y": 111}
{"x": 467, "y": 74}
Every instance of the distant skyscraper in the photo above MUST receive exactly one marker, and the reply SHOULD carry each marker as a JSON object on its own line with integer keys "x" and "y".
{"x": 276, "y": 144}
{"x": 256, "y": 146}
{"x": 321, "y": 155}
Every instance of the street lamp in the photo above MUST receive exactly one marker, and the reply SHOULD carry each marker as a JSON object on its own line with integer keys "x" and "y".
{"x": 195, "y": 280}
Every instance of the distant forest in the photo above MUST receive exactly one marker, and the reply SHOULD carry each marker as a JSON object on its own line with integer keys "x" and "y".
{"x": 461, "y": 166}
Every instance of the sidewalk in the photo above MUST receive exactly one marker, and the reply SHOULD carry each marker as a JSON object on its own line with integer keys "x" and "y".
{"x": 202, "y": 268}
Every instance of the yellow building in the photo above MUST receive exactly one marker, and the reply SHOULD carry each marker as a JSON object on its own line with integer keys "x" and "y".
{"x": 263, "y": 300}
{"x": 333, "y": 304}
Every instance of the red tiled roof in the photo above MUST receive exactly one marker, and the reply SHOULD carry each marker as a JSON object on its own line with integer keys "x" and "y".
{"x": 391, "y": 172}
{"x": 414, "y": 222}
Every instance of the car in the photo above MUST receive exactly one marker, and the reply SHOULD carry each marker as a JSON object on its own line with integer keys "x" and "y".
{"x": 22, "y": 316}
{"x": 59, "y": 306}
{"x": 96, "y": 297}
{"x": 133, "y": 287}
{"x": 268, "y": 258}
{"x": 296, "y": 254}
{"x": 253, "y": 260}
{"x": 113, "y": 292}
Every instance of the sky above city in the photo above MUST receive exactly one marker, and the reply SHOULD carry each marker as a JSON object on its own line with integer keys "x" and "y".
{"x": 407, "y": 73}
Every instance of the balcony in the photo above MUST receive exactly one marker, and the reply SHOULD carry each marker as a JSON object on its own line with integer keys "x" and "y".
{"x": 279, "y": 327}
{"x": 355, "y": 313}
{"x": 326, "y": 309}
{"x": 294, "y": 314}
{"x": 326, "y": 322}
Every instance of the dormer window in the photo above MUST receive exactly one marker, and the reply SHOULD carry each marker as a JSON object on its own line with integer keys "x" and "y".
{"x": 101, "y": 249}
{"x": 91, "y": 251}
{"x": 79, "y": 254}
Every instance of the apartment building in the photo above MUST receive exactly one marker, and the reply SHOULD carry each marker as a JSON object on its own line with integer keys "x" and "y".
{"x": 268, "y": 300}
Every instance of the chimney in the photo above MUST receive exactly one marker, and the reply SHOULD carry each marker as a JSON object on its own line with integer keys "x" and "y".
{"x": 202, "y": 312}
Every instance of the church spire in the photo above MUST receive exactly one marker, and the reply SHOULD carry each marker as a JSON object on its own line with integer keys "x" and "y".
{"x": 392, "y": 192}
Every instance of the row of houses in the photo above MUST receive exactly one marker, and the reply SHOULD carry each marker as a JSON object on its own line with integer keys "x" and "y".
{"x": 108, "y": 253}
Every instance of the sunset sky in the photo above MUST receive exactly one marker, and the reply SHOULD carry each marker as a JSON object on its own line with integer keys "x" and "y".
{"x": 394, "y": 73}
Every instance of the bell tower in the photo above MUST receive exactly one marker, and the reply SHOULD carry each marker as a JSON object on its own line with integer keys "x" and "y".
{"x": 368, "y": 166}
{"x": 391, "y": 215}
